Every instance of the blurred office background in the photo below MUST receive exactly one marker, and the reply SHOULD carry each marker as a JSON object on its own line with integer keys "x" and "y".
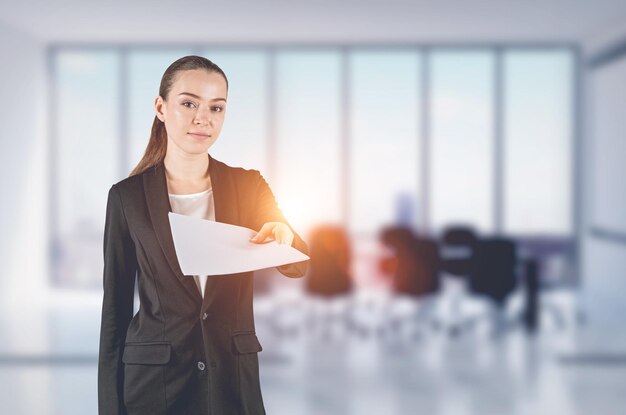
{"x": 456, "y": 167}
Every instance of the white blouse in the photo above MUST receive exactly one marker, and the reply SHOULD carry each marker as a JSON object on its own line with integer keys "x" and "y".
{"x": 197, "y": 205}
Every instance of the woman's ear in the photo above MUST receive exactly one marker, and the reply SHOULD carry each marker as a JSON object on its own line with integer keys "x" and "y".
{"x": 159, "y": 106}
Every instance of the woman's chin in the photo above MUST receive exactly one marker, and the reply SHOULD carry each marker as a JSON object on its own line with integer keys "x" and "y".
{"x": 202, "y": 146}
{"x": 198, "y": 148}
{"x": 194, "y": 148}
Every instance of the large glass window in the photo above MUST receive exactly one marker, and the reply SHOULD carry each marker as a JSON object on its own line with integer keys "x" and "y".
{"x": 538, "y": 142}
{"x": 292, "y": 112}
{"x": 243, "y": 140}
{"x": 308, "y": 142}
{"x": 461, "y": 139}
{"x": 384, "y": 148}
{"x": 86, "y": 155}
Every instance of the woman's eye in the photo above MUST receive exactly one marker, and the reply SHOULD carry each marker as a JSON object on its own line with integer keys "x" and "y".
{"x": 218, "y": 108}
{"x": 187, "y": 102}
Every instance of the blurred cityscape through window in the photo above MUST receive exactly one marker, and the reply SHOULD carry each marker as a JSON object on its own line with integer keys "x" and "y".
{"x": 360, "y": 137}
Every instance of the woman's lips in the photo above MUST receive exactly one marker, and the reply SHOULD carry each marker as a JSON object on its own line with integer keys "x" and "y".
{"x": 200, "y": 136}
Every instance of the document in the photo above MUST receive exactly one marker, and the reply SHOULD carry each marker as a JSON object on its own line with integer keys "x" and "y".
{"x": 205, "y": 247}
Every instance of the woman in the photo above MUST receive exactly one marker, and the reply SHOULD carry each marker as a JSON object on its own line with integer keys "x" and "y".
{"x": 191, "y": 348}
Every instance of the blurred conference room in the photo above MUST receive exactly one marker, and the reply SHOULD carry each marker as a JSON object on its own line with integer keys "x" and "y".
{"x": 456, "y": 168}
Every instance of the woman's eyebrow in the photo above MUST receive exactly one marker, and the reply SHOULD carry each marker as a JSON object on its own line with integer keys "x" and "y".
{"x": 198, "y": 97}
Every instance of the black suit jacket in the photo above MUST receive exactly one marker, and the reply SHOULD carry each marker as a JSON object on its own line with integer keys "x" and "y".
{"x": 180, "y": 354}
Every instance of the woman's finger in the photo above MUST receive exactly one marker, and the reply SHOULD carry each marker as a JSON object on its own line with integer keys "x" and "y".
{"x": 266, "y": 230}
{"x": 278, "y": 231}
{"x": 283, "y": 234}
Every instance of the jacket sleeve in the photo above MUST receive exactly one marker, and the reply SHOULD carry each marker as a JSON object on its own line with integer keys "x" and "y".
{"x": 120, "y": 266}
{"x": 266, "y": 210}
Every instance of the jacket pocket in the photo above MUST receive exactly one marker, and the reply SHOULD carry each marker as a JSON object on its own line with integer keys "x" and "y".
{"x": 144, "y": 376}
{"x": 246, "y": 347}
{"x": 246, "y": 343}
{"x": 147, "y": 353}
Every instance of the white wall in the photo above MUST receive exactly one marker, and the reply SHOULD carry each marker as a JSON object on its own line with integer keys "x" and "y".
{"x": 22, "y": 169}
{"x": 607, "y": 116}
{"x": 604, "y": 261}
{"x": 604, "y": 37}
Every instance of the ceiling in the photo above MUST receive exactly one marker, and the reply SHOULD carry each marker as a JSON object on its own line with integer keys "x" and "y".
{"x": 373, "y": 21}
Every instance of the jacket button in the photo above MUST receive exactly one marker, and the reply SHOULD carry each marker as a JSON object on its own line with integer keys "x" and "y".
{"x": 204, "y": 316}
{"x": 201, "y": 365}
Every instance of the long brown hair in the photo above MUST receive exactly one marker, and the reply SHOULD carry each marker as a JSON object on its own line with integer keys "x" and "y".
{"x": 157, "y": 145}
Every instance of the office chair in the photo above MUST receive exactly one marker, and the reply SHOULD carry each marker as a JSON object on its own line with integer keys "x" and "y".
{"x": 415, "y": 269}
{"x": 458, "y": 251}
{"x": 328, "y": 281}
{"x": 494, "y": 276}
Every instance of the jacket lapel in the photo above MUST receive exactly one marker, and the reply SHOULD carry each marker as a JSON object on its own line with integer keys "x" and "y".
{"x": 155, "y": 188}
{"x": 157, "y": 199}
{"x": 224, "y": 196}
{"x": 226, "y": 211}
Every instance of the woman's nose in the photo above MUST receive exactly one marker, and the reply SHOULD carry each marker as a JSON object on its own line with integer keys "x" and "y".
{"x": 203, "y": 117}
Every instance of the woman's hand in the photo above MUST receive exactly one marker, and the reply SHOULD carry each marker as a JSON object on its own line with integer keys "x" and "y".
{"x": 278, "y": 231}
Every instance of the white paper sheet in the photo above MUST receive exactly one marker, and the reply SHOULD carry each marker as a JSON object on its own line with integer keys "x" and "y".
{"x": 205, "y": 247}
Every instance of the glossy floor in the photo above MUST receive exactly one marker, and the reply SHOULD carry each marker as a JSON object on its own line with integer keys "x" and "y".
{"x": 48, "y": 366}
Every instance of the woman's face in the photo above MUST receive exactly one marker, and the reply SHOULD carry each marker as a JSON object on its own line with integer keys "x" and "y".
{"x": 194, "y": 111}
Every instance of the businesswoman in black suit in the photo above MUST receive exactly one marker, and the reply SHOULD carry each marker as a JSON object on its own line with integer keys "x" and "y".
{"x": 191, "y": 348}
